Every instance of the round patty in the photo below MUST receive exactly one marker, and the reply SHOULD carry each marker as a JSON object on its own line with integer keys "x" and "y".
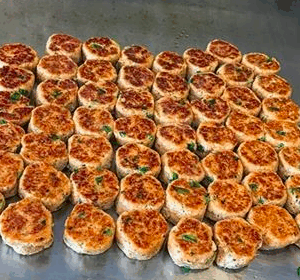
{"x": 10, "y": 136}
{"x": 136, "y": 55}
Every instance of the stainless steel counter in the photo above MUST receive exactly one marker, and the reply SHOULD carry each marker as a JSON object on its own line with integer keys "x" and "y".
{"x": 266, "y": 26}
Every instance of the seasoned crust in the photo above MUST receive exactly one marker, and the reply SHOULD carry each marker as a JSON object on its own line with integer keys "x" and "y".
{"x": 237, "y": 242}
{"x": 138, "y": 192}
{"x": 293, "y": 194}
{"x": 94, "y": 185}
{"x": 45, "y": 148}
{"x": 102, "y": 95}
{"x": 10, "y": 136}
{"x": 172, "y": 85}
{"x": 26, "y": 226}
{"x": 258, "y": 156}
{"x": 266, "y": 188}
{"x": 89, "y": 150}
{"x": 182, "y": 164}
{"x": 136, "y": 55}
{"x": 42, "y": 181}
{"x": 96, "y": 71}
{"x": 135, "y": 129}
{"x": 276, "y": 225}
{"x": 140, "y": 233}
{"x": 93, "y": 121}
{"x": 289, "y": 161}
{"x": 133, "y": 157}
{"x": 190, "y": 244}
{"x": 89, "y": 230}
{"x": 228, "y": 199}
{"x": 58, "y": 92}
{"x": 171, "y": 137}
{"x": 184, "y": 199}
{"x": 11, "y": 168}
{"x": 52, "y": 120}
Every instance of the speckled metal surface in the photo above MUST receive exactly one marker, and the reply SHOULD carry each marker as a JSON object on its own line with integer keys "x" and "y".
{"x": 266, "y": 26}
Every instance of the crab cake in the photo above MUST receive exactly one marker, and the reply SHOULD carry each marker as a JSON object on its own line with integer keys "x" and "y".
{"x": 236, "y": 74}
{"x": 136, "y": 55}
{"x": 15, "y": 79}
{"x": 293, "y": 194}
{"x": 42, "y": 181}
{"x": 199, "y": 61}
{"x": 26, "y": 226}
{"x": 190, "y": 244}
{"x": 258, "y": 156}
{"x": 97, "y": 186}
{"x": 281, "y": 109}
{"x": 138, "y": 192}
{"x": 53, "y": 120}
{"x": 15, "y": 107}
{"x": 58, "y": 92}
{"x": 11, "y": 168}
{"x": 271, "y": 86}
{"x": 237, "y": 241}
{"x": 223, "y": 165}
{"x": 170, "y": 137}
{"x": 89, "y": 230}
{"x": 133, "y": 157}
{"x": 10, "y": 136}
{"x": 261, "y": 63}
{"x": 94, "y": 70}
{"x": 282, "y": 134}
{"x": 266, "y": 188}
{"x": 184, "y": 199}
{"x": 18, "y": 54}
{"x": 242, "y": 99}
{"x": 45, "y": 148}
{"x": 93, "y": 121}
{"x": 275, "y": 224}
{"x": 135, "y": 102}
{"x": 215, "y": 137}
{"x": 169, "y": 110}
{"x": 141, "y": 233}
{"x": 102, "y": 48}
{"x": 289, "y": 161}
{"x": 181, "y": 164}
{"x": 224, "y": 51}
{"x": 245, "y": 127}
{"x": 64, "y": 44}
{"x": 89, "y": 150}
{"x": 136, "y": 77}
{"x": 102, "y": 95}
{"x": 210, "y": 109}
{"x": 135, "y": 129}
{"x": 228, "y": 199}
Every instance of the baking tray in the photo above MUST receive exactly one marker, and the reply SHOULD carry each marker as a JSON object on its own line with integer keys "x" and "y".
{"x": 266, "y": 26}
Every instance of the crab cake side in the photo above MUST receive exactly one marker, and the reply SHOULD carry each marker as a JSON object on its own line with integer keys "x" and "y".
{"x": 89, "y": 230}
{"x": 90, "y": 151}
{"x": 133, "y": 157}
{"x": 184, "y": 199}
{"x": 228, "y": 199}
{"x": 293, "y": 194}
{"x": 182, "y": 164}
{"x": 266, "y": 188}
{"x": 136, "y": 55}
{"x": 10, "y": 136}
{"x": 135, "y": 102}
{"x": 140, "y": 233}
{"x": 275, "y": 224}
{"x": 135, "y": 129}
{"x": 58, "y": 92}
{"x": 42, "y": 181}
{"x": 190, "y": 244}
{"x": 223, "y": 165}
{"x": 52, "y": 120}
{"x": 11, "y": 168}
{"x": 258, "y": 156}
{"x": 138, "y": 192}
{"x": 171, "y": 137}
{"x": 93, "y": 121}
{"x": 237, "y": 241}
{"x": 26, "y": 226}
{"x": 289, "y": 161}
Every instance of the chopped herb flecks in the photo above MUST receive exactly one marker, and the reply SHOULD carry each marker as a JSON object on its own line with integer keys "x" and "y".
{"x": 280, "y": 132}
{"x": 189, "y": 238}
{"x": 174, "y": 176}
{"x": 81, "y": 215}
{"x": 98, "y": 180}
{"x": 122, "y": 134}
{"x": 106, "y": 128}
{"x": 253, "y": 186}
{"x": 181, "y": 190}
{"x": 56, "y": 93}
{"x": 191, "y": 147}
{"x": 108, "y": 232}
{"x": 3, "y": 121}
{"x": 143, "y": 169}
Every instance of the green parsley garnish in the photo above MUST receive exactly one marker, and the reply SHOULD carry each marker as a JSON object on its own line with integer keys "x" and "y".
{"x": 101, "y": 91}
{"x": 122, "y": 134}
{"x": 149, "y": 115}
{"x": 208, "y": 179}
{"x": 174, "y": 176}
{"x": 23, "y": 92}
{"x": 269, "y": 59}
{"x": 95, "y": 46}
{"x": 150, "y": 137}
{"x": 195, "y": 184}
{"x": 75, "y": 170}
{"x": 200, "y": 148}
{"x": 264, "y": 118}
{"x": 253, "y": 186}
{"x": 263, "y": 139}
{"x": 181, "y": 190}
{"x": 185, "y": 269}
{"x": 3, "y": 121}
{"x": 191, "y": 146}
{"x": 54, "y": 137}
{"x": 298, "y": 271}
{"x": 98, "y": 179}
{"x": 108, "y": 232}
{"x": 81, "y": 215}
{"x": 293, "y": 190}
{"x": 261, "y": 201}
{"x": 280, "y": 145}
{"x": 207, "y": 198}
{"x": 211, "y": 259}
{"x": 15, "y": 96}
{"x": 106, "y": 128}
{"x": 280, "y": 132}
{"x": 189, "y": 238}
{"x": 144, "y": 169}
{"x": 56, "y": 93}
{"x": 211, "y": 102}
{"x": 273, "y": 109}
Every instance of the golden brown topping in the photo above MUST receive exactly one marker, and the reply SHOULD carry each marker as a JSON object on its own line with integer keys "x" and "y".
{"x": 208, "y": 82}
{"x": 178, "y": 133}
{"x": 224, "y": 49}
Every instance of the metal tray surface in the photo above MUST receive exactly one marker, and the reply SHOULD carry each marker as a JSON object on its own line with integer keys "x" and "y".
{"x": 266, "y": 26}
